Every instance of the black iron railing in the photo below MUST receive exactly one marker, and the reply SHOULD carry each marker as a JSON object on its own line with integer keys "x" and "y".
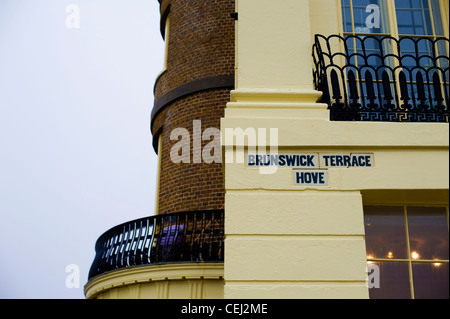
{"x": 381, "y": 78}
{"x": 173, "y": 238}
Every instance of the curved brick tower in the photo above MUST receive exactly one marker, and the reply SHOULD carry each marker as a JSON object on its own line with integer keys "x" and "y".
{"x": 195, "y": 85}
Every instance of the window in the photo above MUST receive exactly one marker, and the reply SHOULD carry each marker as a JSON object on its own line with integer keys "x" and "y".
{"x": 419, "y": 19}
{"x": 410, "y": 247}
{"x": 356, "y": 13}
{"x": 385, "y": 37}
{"x": 396, "y": 18}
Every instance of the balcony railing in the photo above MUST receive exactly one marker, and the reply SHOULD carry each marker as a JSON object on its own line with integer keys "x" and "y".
{"x": 173, "y": 238}
{"x": 381, "y": 78}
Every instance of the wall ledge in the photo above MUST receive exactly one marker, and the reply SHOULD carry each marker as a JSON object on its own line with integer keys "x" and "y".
{"x": 152, "y": 273}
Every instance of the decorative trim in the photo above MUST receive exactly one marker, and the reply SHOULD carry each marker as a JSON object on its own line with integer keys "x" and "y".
{"x": 209, "y": 83}
{"x": 388, "y": 84}
{"x": 152, "y": 273}
{"x": 275, "y": 96}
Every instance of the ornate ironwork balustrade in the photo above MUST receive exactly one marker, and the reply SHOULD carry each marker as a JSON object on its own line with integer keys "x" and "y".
{"x": 381, "y": 78}
{"x": 173, "y": 238}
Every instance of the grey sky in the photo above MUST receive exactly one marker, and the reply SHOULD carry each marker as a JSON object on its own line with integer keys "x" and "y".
{"x": 75, "y": 146}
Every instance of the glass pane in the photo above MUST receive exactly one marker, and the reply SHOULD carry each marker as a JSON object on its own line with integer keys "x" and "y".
{"x": 437, "y": 18}
{"x": 428, "y": 232}
{"x": 414, "y": 17}
{"x": 393, "y": 280}
{"x": 370, "y": 16}
{"x": 385, "y": 232}
{"x": 430, "y": 281}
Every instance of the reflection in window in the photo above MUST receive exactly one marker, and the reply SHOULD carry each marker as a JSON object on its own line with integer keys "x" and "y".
{"x": 394, "y": 281}
{"x": 385, "y": 232}
{"x": 428, "y": 232}
{"x": 430, "y": 280}
{"x": 410, "y": 247}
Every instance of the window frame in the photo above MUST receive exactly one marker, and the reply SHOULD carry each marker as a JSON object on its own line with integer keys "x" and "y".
{"x": 409, "y": 259}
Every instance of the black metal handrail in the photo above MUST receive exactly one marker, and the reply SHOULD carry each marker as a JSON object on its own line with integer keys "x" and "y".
{"x": 385, "y": 79}
{"x": 172, "y": 238}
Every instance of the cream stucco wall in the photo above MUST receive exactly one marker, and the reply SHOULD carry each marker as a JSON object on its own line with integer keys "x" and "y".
{"x": 287, "y": 241}
{"x": 270, "y": 33}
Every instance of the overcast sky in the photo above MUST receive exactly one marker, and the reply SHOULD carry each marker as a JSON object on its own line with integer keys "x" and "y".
{"x": 75, "y": 145}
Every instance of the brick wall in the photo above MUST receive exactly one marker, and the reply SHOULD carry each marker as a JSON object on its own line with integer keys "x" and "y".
{"x": 201, "y": 45}
{"x": 201, "y": 42}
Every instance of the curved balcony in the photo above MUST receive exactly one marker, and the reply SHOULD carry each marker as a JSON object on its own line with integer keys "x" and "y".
{"x": 189, "y": 237}
{"x": 382, "y": 78}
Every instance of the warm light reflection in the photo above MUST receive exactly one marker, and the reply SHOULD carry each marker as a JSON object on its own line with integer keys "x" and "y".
{"x": 415, "y": 255}
{"x": 369, "y": 257}
{"x": 437, "y": 264}
{"x": 390, "y": 255}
